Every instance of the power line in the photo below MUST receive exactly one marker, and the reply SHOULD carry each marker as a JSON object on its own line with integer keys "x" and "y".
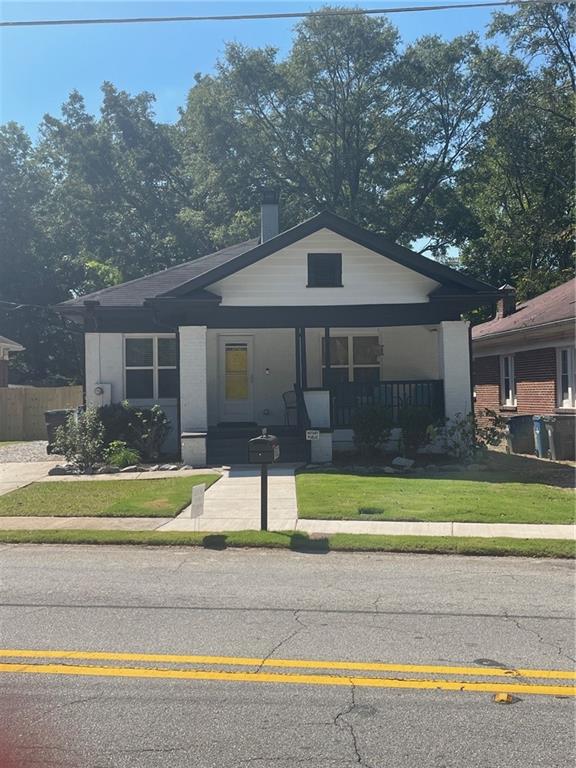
{"x": 262, "y": 16}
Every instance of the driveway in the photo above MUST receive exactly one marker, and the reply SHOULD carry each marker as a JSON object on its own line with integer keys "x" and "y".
{"x": 18, "y": 474}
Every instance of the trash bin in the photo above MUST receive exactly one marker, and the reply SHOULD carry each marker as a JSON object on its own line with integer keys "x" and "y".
{"x": 521, "y": 431}
{"x": 541, "y": 444}
{"x": 561, "y": 435}
{"x": 53, "y": 420}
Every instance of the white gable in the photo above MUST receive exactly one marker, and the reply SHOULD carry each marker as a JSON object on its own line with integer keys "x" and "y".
{"x": 280, "y": 279}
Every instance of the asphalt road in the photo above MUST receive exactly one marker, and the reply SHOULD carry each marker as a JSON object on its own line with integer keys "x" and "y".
{"x": 274, "y": 624}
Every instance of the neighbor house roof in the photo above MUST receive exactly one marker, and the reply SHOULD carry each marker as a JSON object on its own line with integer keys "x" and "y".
{"x": 192, "y": 278}
{"x": 11, "y": 346}
{"x": 556, "y": 305}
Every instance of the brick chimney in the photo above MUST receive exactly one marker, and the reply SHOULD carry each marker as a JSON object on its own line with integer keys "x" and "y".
{"x": 269, "y": 217}
{"x": 506, "y": 304}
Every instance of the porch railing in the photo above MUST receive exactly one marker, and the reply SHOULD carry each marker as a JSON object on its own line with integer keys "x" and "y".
{"x": 394, "y": 395}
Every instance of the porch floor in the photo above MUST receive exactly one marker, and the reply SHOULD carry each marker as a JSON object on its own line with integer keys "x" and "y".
{"x": 228, "y": 443}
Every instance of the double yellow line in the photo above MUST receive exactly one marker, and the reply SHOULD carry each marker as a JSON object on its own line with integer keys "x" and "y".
{"x": 415, "y": 676}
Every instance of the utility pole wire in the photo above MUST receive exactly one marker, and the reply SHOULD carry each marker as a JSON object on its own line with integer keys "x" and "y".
{"x": 262, "y": 16}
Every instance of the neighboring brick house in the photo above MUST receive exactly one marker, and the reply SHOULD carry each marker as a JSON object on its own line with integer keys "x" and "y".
{"x": 524, "y": 359}
{"x": 7, "y": 347}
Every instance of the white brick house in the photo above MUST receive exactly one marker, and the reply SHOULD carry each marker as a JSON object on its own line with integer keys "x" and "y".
{"x": 293, "y": 330}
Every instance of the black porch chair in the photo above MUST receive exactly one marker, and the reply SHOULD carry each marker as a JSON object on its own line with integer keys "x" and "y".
{"x": 290, "y": 406}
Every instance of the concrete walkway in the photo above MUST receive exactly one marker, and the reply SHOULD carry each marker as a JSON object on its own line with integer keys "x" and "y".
{"x": 233, "y": 503}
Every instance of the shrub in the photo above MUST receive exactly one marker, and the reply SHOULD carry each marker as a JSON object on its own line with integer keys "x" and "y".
{"x": 416, "y": 424}
{"x": 465, "y": 438}
{"x": 143, "y": 429}
{"x": 81, "y": 439}
{"x": 371, "y": 426}
{"x": 119, "y": 454}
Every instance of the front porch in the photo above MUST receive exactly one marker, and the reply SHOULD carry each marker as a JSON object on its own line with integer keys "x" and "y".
{"x": 234, "y": 382}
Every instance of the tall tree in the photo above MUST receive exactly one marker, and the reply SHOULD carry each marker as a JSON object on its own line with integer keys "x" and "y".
{"x": 519, "y": 184}
{"x": 346, "y": 121}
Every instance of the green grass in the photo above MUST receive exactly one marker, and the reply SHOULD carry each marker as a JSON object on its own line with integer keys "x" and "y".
{"x": 482, "y": 497}
{"x": 299, "y": 542}
{"x": 164, "y": 497}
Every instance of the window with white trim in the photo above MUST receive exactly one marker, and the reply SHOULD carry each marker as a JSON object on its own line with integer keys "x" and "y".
{"x": 566, "y": 379}
{"x": 150, "y": 368}
{"x": 352, "y": 358}
{"x": 507, "y": 383}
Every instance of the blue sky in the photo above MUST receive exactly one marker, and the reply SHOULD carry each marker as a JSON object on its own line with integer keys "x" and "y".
{"x": 40, "y": 66}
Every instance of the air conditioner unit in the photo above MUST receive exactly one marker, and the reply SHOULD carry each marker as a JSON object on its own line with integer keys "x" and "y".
{"x": 101, "y": 395}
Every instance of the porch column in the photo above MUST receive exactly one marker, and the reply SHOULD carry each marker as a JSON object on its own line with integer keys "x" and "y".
{"x": 193, "y": 394}
{"x": 454, "y": 351}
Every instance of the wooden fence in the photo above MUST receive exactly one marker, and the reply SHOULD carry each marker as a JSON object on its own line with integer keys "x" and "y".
{"x": 22, "y": 409}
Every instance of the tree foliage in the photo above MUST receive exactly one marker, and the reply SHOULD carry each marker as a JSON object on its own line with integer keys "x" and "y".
{"x": 446, "y": 143}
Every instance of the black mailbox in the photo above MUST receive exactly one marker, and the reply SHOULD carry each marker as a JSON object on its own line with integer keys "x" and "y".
{"x": 263, "y": 449}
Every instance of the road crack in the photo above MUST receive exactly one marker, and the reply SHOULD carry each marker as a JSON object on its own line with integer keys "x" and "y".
{"x": 557, "y": 647}
{"x": 284, "y": 640}
{"x": 345, "y": 725}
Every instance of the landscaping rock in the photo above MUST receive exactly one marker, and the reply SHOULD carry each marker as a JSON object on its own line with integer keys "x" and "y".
{"x": 169, "y": 467}
{"x": 107, "y": 470}
{"x": 390, "y": 471}
{"x": 186, "y": 466}
{"x": 154, "y": 468}
{"x": 61, "y": 470}
{"x": 131, "y": 468}
{"x": 402, "y": 463}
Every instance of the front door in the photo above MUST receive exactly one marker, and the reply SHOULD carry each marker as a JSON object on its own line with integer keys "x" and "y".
{"x": 236, "y": 378}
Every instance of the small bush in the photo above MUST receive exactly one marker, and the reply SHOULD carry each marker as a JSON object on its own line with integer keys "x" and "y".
{"x": 416, "y": 424}
{"x": 81, "y": 439}
{"x": 143, "y": 429}
{"x": 119, "y": 454}
{"x": 467, "y": 440}
{"x": 371, "y": 427}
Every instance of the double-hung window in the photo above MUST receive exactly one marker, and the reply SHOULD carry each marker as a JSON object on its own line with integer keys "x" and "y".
{"x": 566, "y": 379}
{"x": 507, "y": 383}
{"x": 352, "y": 358}
{"x": 151, "y": 371}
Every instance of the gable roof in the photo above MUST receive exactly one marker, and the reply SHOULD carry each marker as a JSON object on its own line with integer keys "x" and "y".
{"x": 192, "y": 278}
{"x": 326, "y": 220}
{"x": 134, "y": 292}
{"x": 553, "y": 306}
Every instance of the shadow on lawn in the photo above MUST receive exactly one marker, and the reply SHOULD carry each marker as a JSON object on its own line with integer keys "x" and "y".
{"x": 297, "y": 542}
{"x": 501, "y": 468}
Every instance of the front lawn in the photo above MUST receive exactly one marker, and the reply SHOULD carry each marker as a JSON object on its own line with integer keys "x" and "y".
{"x": 165, "y": 497}
{"x": 482, "y": 497}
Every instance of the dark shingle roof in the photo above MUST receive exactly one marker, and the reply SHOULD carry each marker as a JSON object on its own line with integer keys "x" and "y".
{"x": 6, "y": 342}
{"x": 553, "y": 306}
{"x": 134, "y": 292}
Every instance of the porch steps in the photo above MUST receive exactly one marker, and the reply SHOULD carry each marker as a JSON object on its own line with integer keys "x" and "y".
{"x": 229, "y": 445}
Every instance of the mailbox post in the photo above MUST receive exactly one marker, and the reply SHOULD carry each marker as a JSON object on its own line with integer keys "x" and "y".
{"x": 263, "y": 450}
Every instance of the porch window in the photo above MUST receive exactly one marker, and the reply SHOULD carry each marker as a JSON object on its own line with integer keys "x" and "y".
{"x": 507, "y": 383}
{"x": 151, "y": 371}
{"x": 352, "y": 358}
{"x": 566, "y": 379}
{"x": 324, "y": 270}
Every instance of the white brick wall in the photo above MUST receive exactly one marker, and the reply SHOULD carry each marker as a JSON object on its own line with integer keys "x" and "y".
{"x": 455, "y": 364}
{"x": 193, "y": 389}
